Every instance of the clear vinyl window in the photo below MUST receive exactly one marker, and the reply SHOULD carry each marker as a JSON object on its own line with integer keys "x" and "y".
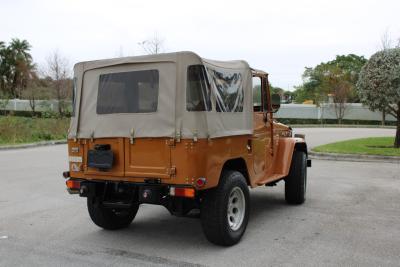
{"x": 257, "y": 94}
{"x": 128, "y": 92}
{"x": 228, "y": 91}
{"x": 198, "y": 93}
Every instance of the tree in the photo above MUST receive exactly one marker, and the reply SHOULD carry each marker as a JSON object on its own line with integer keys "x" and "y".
{"x": 379, "y": 85}
{"x": 387, "y": 43}
{"x": 21, "y": 65}
{"x": 286, "y": 96}
{"x": 340, "y": 85}
{"x": 315, "y": 86}
{"x": 16, "y": 66}
{"x": 154, "y": 45}
{"x": 2, "y": 66}
{"x": 58, "y": 71}
{"x": 32, "y": 93}
{"x": 4, "y": 100}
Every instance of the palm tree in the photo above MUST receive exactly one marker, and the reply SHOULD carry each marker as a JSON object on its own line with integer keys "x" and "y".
{"x": 19, "y": 65}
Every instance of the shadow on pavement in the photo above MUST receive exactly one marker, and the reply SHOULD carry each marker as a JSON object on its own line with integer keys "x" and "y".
{"x": 157, "y": 229}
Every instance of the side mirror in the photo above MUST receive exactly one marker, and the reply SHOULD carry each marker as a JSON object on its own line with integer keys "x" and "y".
{"x": 275, "y": 102}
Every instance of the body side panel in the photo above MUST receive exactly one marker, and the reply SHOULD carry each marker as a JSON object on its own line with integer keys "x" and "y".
{"x": 163, "y": 158}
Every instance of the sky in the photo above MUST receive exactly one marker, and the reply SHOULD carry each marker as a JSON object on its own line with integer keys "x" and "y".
{"x": 281, "y": 37}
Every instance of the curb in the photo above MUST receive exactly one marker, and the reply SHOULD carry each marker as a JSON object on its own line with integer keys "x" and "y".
{"x": 353, "y": 157}
{"x": 32, "y": 145}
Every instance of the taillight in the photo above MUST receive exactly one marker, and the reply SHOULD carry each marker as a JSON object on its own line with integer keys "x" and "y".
{"x": 200, "y": 182}
{"x": 182, "y": 192}
{"x": 73, "y": 184}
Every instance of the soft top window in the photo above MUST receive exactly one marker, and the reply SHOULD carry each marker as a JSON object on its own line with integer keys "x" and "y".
{"x": 197, "y": 89}
{"x": 229, "y": 89}
{"x": 128, "y": 92}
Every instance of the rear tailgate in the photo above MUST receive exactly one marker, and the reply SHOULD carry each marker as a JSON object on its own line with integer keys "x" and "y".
{"x": 148, "y": 157}
{"x": 143, "y": 158}
{"x": 117, "y": 147}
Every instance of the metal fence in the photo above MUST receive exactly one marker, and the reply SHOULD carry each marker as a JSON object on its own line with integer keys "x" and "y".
{"x": 25, "y": 105}
{"x": 353, "y": 111}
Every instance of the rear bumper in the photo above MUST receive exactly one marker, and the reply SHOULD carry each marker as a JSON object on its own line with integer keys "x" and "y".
{"x": 179, "y": 200}
{"x": 152, "y": 193}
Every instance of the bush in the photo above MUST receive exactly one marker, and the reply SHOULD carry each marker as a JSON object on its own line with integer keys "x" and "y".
{"x": 14, "y": 130}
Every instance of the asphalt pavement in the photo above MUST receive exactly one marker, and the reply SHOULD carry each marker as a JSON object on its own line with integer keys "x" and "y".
{"x": 350, "y": 218}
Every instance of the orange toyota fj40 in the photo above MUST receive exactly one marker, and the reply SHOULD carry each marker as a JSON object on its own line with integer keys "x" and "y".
{"x": 181, "y": 131}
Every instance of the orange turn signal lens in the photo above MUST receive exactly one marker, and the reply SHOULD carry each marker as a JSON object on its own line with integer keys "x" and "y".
{"x": 73, "y": 184}
{"x": 182, "y": 192}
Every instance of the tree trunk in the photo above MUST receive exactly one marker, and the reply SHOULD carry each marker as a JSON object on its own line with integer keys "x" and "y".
{"x": 397, "y": 139}
{"x": 60, "y": 108}
{"x": 383, "y": 117}
{"x": 33, "y": 105}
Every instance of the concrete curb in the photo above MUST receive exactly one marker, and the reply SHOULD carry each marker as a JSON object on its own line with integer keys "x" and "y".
{"x": 32, "y": 145}
{"x": 353, "y": 157}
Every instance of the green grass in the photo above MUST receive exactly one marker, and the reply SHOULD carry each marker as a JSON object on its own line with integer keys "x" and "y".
{"x": 369, "y": 146}
{"x": 18, "y": 130}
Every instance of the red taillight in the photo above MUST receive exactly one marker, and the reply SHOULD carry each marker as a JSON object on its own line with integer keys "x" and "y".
{"x": 73, "y": 184}
{"x": 182, "y": 192}
{"x": 200, "y": 182}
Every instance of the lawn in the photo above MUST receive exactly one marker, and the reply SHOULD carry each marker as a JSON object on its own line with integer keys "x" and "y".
{"x": 17, "y": 130}
{"x": 370, "y": 146}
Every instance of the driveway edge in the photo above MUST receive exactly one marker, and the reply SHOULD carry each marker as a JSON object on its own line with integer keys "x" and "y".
{"x": 32, "y": 145}
{"x": 353, "y": 157}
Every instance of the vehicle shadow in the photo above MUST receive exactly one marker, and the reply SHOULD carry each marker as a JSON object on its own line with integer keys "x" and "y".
{"x": 156, "y": 228}
{"x": 265, "y": 203}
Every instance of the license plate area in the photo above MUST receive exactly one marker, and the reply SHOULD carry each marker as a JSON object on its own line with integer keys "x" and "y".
{"x": 101, "y": 157}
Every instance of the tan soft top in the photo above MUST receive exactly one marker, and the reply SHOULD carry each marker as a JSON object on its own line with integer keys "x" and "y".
{"x": 171, "y": 119}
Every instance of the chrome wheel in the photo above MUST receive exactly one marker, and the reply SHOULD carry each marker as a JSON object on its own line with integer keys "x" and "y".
{"x": 236, "y": 208}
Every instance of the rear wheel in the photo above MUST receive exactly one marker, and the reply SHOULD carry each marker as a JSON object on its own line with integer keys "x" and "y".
{"x": 110, "y": 219}
{"x": 225, "y": 210}
{"x": 296, "y": 181}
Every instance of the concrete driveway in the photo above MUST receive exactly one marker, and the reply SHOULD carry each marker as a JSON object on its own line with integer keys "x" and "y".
{"x": 351, "y": 218}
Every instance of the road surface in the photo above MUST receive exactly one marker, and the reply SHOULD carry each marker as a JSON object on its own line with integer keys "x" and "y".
{"x": 351, "y": 218}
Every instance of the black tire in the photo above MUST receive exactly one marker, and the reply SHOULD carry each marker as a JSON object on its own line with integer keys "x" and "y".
{"x": 296, "y": 181}
{"x": 217, "y": 228}
{"x": 110, "y": 219}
